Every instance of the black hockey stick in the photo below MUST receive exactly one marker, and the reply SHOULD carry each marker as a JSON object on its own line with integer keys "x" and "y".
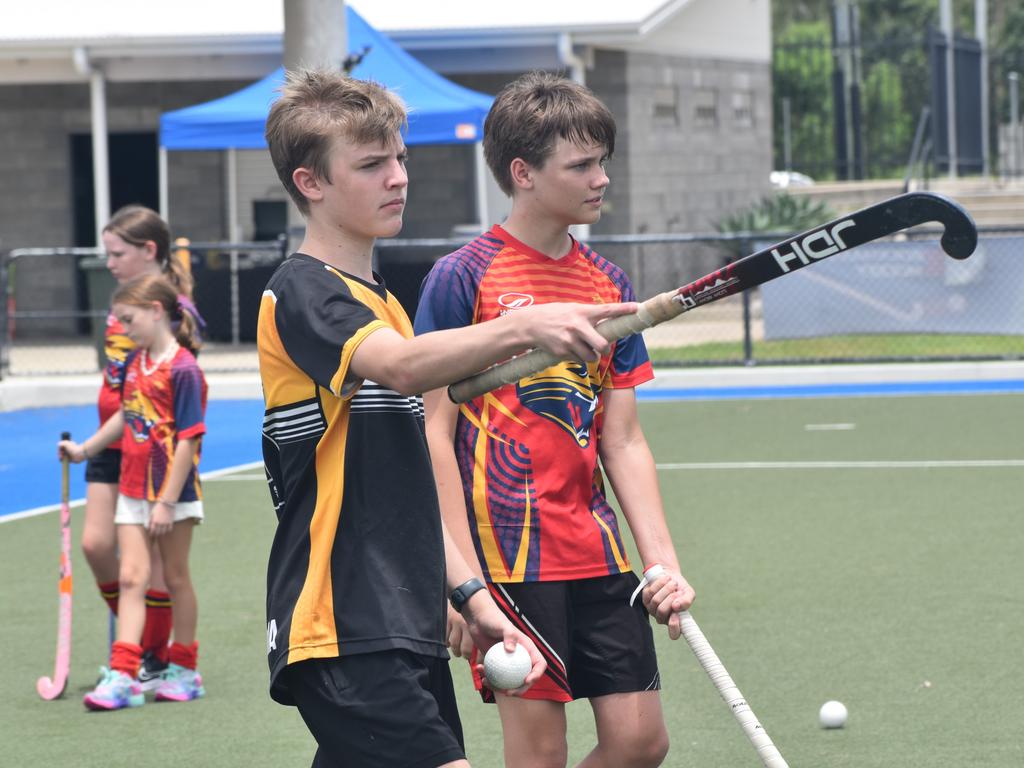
{"x": 872, "y": 223}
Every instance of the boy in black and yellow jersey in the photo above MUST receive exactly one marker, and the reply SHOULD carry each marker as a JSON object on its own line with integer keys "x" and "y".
{"x": 361, "y": 562}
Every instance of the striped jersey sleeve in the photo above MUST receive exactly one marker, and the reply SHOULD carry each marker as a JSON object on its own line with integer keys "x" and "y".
{"x": 448, "y": 295}
{"x": 319, "y": 325}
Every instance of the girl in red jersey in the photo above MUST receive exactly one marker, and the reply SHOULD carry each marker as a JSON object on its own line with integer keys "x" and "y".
{"x": 159, "y": 424}
{"x": 137, "y": 242}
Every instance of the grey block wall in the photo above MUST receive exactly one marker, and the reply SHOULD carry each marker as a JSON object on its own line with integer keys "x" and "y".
{"x": 693, "y": 145}
{"x": 36, "y": 206}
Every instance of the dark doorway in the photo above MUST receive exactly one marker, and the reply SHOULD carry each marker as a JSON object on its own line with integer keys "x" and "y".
{"x": 133, "y": 178}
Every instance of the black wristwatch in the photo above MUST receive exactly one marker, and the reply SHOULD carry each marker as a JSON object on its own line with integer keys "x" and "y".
{"x": 464, "y": 591}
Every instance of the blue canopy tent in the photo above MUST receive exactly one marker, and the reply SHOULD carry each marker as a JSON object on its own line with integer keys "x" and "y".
{"x": 440, "y": 112}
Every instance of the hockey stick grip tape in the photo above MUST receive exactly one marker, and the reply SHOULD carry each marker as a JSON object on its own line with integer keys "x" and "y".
{"x": 651, "y": 312}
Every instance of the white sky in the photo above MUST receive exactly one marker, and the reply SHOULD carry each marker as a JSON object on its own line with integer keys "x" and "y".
{"x": 106, "y": 19}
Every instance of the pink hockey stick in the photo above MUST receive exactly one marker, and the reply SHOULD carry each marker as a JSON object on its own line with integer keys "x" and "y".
{"x": 53, "y": 688}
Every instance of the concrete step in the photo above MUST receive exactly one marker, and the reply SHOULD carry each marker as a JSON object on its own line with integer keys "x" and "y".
{"x": 990, "y": 202}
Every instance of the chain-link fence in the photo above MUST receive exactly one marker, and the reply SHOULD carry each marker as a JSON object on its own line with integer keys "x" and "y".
{"x": 894, "y": 300}
{"x": 57, "y": 301}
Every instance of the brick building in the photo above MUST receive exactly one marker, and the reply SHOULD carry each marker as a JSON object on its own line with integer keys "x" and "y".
{"x": 689, "y": 82}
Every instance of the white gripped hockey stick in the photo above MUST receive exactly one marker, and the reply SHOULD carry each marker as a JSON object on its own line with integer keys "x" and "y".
{"x": 708, "y": 659}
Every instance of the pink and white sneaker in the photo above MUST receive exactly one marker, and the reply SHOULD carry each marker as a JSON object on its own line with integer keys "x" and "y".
{"x": 180, "y": 684}
{"x": 115, "y": 690}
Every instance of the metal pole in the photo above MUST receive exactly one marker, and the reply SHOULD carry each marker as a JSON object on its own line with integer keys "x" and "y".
{"x": 841, "y": 51}
{"x": 787, "y": 135}
{"x": 234, "y": 237}
{"x": 946, "y": 12}
{"x": 1014, "y": 78}
{"x": 748, "y": 340}
{"x": 5, "y": 308}
{"x": 100, "y": 157}
{"x": 981, "y": 32}
{"x": 748, "y": 343}
{"x": 315, "y": 35}
{"x": 164, "y": 195}
{"x": 856, "y": 117}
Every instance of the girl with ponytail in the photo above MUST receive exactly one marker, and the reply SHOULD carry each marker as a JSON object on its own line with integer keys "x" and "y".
{"x": 159, "y": 424}
{"x": 137, "y": 242}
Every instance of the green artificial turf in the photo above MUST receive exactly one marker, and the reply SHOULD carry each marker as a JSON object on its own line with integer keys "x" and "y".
{"x": 893, "y": 588}
{"x": 862, "y": 347}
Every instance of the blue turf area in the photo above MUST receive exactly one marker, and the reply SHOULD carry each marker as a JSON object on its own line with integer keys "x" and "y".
{"x": 30, "y": 472}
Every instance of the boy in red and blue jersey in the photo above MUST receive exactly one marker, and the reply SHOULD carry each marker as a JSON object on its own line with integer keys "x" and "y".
{"x": 519, "y": 470}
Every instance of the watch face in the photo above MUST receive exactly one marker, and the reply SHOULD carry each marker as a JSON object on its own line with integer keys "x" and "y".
{"x": 463, "y": 592}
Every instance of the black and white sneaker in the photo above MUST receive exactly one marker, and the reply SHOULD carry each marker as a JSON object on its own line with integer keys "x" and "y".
{"x": 152, "y": 671}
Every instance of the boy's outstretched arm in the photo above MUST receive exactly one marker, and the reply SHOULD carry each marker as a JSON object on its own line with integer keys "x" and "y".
{"x": 627, "y": 461}
{"x": 434, "y": 360}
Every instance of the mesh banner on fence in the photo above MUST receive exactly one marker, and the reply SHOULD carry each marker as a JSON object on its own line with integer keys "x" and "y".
{"x": 893, "y": 300}
{"x": 902, "y": 288}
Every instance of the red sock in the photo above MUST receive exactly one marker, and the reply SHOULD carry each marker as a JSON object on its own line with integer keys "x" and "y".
{"x": 110, "y": 592}
{"x": 126, "y": 657}
{"x": 185, "y": 655}
{"x": 157, "y": 631}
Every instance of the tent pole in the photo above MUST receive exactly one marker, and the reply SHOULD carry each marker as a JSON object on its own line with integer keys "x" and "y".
{"x": 233, "y": 236}
{"x": 162, "y": 176}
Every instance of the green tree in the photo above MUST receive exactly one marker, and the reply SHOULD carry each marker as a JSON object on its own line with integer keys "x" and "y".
{"x": 890, "y": 131}
{"x": 802, "y": 72}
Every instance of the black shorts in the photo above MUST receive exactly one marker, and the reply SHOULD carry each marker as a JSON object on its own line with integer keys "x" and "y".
{"x": 390, "y": 708}
{"x": 594, "y": 641}
{"x": 104, "y": 467}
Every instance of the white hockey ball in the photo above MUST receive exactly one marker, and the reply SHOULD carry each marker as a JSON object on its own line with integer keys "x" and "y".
{"x": 506, "y": 671}
{"x": 832, "y": 714}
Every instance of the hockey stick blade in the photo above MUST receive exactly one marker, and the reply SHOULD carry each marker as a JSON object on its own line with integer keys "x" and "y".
{"x": 960, "y": 236}
{"x": 883, "y": 219}
{"x": 53, "y": 688}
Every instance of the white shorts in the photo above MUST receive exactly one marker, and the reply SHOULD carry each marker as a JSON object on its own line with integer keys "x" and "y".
{"x": 137, "y": 511}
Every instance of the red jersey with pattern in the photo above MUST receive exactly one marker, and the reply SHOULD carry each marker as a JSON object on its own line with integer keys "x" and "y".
{"x": 161, "y": 406}
{"x": 528, "y": 452}
{"x": 116, "y": 348}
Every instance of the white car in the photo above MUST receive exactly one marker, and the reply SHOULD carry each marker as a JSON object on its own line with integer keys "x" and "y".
{"x": 785, "y": 179}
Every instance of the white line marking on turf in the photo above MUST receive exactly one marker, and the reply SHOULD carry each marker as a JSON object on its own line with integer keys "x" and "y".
{"x": 829, "y": 427}
{"x": 216, "y": 474}
{"x": 926, "y": 464}
{"x": 213, "y": 474}
{"x": 38, "y": 511}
